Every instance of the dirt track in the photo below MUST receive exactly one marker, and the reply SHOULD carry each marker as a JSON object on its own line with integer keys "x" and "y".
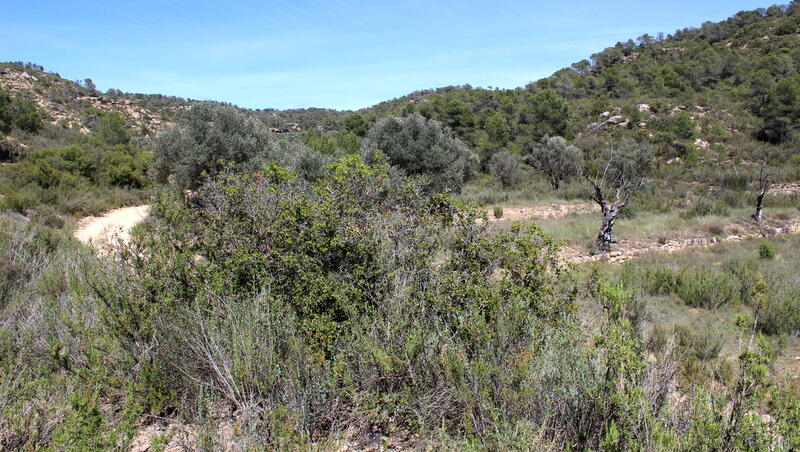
{"x": 112, "y": 227}
{"x": 544, "y": 211}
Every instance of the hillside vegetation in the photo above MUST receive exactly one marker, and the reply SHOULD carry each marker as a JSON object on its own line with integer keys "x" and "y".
{"x": 403, "y": 276}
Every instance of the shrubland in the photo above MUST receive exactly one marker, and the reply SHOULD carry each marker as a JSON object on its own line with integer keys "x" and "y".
{"x": 357, "y": 300}
{"x": 309, "y": 273}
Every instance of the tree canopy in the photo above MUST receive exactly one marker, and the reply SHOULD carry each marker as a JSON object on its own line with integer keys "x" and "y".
{"x": 421, "y": 146}
{"x": 209, "y": 136}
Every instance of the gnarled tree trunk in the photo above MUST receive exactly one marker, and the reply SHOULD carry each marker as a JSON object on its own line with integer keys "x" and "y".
{"x": 610, "y": 211}
{"x": 606, "y": 235}
{"x": 764, "y": 184}
{"x": 759, "y": 206}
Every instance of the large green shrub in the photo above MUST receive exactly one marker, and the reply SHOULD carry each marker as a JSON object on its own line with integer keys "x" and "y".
{"x": 75, "y": 179}
{"x": 766, "y": 250}
{"x": 208, "y": 136}
{"x": 420, "y": 146}
{"x": 556, "y": 158}
{"x": 379, "y": 296}
{"x": 18, "y": 112}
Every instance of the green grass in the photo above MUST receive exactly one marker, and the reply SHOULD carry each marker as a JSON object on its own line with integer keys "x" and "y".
{"x": 731, "y": 324}
{"x": 581, "y": 229}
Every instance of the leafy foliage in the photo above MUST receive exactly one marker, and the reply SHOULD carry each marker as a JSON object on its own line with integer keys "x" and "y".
{"x": 557, "y": 159}
{"x": 18, "y": 112}
{"x": 421, "y": 147}
{"x": 504, "y": 166}
{"x": 70, "y": 178}
{"x": 208, "y": 136}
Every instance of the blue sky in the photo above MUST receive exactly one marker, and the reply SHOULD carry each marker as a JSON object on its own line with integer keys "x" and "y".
{"x": 335, "y": 54}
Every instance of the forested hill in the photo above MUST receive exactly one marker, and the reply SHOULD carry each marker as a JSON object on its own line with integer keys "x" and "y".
{"x": 720, "y": 85}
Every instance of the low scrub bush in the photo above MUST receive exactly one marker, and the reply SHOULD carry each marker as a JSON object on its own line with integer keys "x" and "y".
{"x": 698, "y": 287}
{"x": 498, "y": 212}
{"x": 703, "y": 208}
{"x": 734, "y": 182}
{"x": 781, "y": 314}
{"x": 75, "y": 179}
{"x": 702, "y": 341}
{"x": 504, "y": 167}
{"x": 337, "y": 278}
{"x": 707, "y": 288}
{"x": 766, "y": 251}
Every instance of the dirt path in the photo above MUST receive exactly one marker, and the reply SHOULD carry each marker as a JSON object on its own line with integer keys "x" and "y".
{"x": 554, "y": 210}
{"x": 734, "y": 232}
{"x": 110, "y": 228}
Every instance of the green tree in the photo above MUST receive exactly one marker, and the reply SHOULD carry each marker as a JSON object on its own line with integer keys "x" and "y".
{"x": 6, "y": 118}
{"x": 356, "y": 124}
{"x": 208, "y": 136}
{"x": 111, "y": 129}
{"x": 683, "y": 126}
{"x": 556, "y": 158}
{"x": 781, "y": 111}
{"x": 422, "y": 147}
{"x": 458, "y": 116}
{"x": 19, "y": 112}
{"x": 497, "y": 128}
{"x": 504, "y": 166}
{"x": 26, "y": 115}
{"x": 546, "y": 113}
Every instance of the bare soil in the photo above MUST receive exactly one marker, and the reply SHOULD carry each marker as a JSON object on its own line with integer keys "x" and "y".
{"x": 555, "y": 210}
{"x": 110, "y": 229}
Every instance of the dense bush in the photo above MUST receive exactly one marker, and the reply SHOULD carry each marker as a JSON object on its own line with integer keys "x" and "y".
{"x": 308, "y": 307}
{"x": 18, "y": 112}
{"x": 421, "y": 147}
{"x": 700, "y": 340}
{"x": 209, "y": 136}
{"x": 504, "y": 166}
{"x": 111, "y": 130}
{"x": 781, "y": 314}
{"x": 76, "y": 178}
{"x": 766, "y": 251}
{"x": 708, "y": 289}
{"x": 338, "y": 277}
{"x": 781, "y": 111}
{"x": 699, "y": 287}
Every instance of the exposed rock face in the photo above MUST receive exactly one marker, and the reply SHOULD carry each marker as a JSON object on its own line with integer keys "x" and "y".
{"x": 701, "y": 143}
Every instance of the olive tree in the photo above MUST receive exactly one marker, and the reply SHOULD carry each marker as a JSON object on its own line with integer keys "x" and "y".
{"x": 765, "y": 181}
{"x": 421, "y": 146}
{"x": 207, "y": 137}
{"x": 556, "y": 158}
{"x": 618, "y": 174}
{"x": 504, "y": 166}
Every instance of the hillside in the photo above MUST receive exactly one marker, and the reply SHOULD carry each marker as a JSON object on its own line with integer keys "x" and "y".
{"x": 68, "y": 104}
{"x": 699, "y": 89}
